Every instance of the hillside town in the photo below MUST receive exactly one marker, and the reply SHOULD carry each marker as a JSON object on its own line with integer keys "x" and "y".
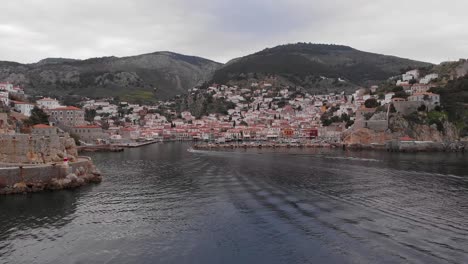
{"x": 262, "y": 111}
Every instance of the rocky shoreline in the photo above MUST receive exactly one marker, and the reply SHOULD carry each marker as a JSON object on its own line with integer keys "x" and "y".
{"x": 389, "y": 146}
{"x": 34, "y": 163}
{"x": 30, "y": 179}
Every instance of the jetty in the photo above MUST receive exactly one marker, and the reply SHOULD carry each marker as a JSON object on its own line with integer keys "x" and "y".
{"x": 100, "y": 148}
{"x": 135, "y": 144}
{"x": 270, "y": 145}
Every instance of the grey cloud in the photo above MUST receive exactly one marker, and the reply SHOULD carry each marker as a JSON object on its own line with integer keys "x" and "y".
{"x": 223, "y": 29}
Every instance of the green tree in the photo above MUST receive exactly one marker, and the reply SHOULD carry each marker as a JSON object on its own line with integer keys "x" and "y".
{"x": 105, "y": 125}
{"x": 281, "y": 104}
{"x": 422, "y": 108}
{"x": 326, "y": 122}
{"x": 90, "y": 114}
{"x": 397, "y": 89}
{"x": 401, "y": 94}
{"x": 345, "y": 117}
{"x": 371, "y": 103}
{"x": 38, "y": 116}
{"x": 454, "y": 98}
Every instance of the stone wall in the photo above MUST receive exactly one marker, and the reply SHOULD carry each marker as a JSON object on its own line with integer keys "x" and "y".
{"x": 376, "y": 125}
{"x": 35, "y": 178}
{"x": 36, "y": 149}
{"x": 406, "y": 107}
{"x": 12, "y": 175}
{"x": 365, "y": 136}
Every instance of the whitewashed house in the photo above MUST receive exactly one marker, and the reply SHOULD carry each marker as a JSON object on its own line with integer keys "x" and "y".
{"x": 23, "y": 108}
{"x": 48, "y": 103}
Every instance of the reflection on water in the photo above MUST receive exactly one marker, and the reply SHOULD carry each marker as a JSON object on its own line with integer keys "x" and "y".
{"x": 164, "y": 204}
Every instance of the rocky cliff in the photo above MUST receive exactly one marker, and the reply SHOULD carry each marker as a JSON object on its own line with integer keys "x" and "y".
{"x": 400, "y": 126}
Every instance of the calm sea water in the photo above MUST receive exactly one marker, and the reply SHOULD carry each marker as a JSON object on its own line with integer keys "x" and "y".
{"x": 164, "y": 204}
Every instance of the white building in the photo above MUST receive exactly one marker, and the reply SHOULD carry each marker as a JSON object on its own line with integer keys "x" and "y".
{"x": 48, "y": 103}
{"x": 407, "y": 77}
{"x": 187, "y": 116}
{"x": 366, "y": 97}
{"x": 6, "y": 87}
{"x": 388, "y": 98}
{"x": 4, "y": 98}
{"x": 399, "y": 83}
{"x": 410, "y": 75}
{"x": 428, "y": 78}
{"x": 24, "y": 108}
{"x": 10, "y": 88}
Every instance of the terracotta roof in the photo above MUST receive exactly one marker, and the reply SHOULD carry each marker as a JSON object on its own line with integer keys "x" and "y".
{"x": 41, "y": 126}
{"x": 46, "y": 99}
{"x": 88, "y": 126}
{"x": 18, "y": 102}
{"x": 67, "y": 108}
{"x": 426, "y": 93}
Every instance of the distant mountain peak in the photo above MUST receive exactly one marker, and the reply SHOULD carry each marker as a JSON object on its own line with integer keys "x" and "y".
{"x": 55, "y": 61}
{"x": 310, "y": 47}
{"x": 302, "y": 65}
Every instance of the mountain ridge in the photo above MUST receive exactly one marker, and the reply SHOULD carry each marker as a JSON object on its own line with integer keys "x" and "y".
{"x": 164, "y": 74}
{"x": 306, "y": 64}
{"x": 167, "y": 73}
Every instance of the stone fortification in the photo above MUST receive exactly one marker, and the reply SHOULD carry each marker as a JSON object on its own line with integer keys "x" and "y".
{"x": 34, "y": 178}
{"x": 36, "y": 149}
{"x": 31, "y": 163}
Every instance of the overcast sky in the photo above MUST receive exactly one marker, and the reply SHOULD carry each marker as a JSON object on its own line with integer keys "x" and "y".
{"x": 427, "y": 30}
